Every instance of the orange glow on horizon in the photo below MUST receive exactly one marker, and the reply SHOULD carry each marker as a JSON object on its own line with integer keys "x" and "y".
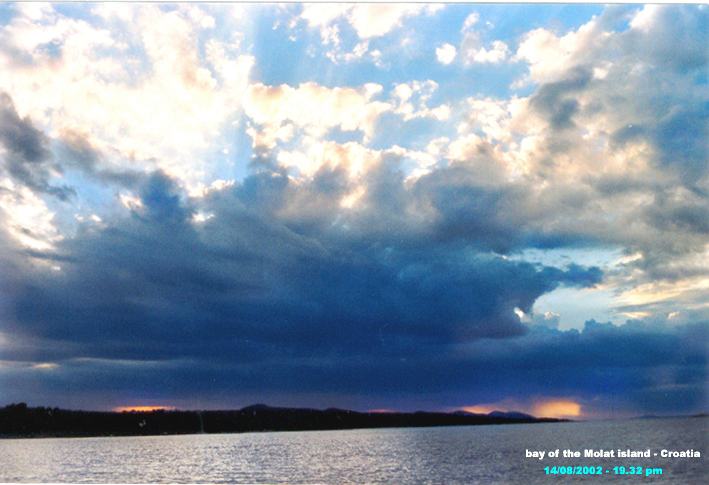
{"x": 542, "y": 407}
{"x": 381, "y": 411}
{"x": 557, "y": 408}
{"x": 142, "y": 409}
{"x": 483, "y": 409}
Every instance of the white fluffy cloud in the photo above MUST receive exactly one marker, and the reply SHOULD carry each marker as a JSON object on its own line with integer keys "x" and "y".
{"x": 549, "y": 55}
{"x": 472, "y": 48}
{"x": 497, "y": 52}
{"x": 411, "y": 101}
{"x": 368, "y": 20}
{"x": 446, "y": 53}
{"x": 26, "y": 217}
{"x": 314, "y": 108}
{"x": 160, "y": 110}
{"x": 374, "y": 20}
{"x": 354, "y": 158}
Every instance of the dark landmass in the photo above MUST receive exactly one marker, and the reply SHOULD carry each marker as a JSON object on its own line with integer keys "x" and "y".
{"x": 671, "y": 416}
{"x": 19, "y": 420}
{"x": 510, "y": 415}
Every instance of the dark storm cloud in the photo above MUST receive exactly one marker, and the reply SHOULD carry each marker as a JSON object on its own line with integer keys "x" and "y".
{"x": 603, "y": 367}
{"x": 247, "y": 288}
{"x": 281, "y": 294}
{"x": 245, "y": 275}
{"x": 27, "y": 159}
{"x": 252, "y": 304}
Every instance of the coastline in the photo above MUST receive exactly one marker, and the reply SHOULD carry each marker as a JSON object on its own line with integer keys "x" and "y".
{"x": 21, "y": 422}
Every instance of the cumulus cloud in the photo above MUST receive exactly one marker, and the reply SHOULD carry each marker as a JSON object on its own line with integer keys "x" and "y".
{"x": 617, "y": 107}
{"x": 368, "y": 20}
{"x": 472, "y": 48}
{"x": 446, "y": 53}
{"x": 497, "y": 52}
{"x": 314, "y": 108}
{"x": 158, "y": 105}
{"x": 411, "y": 101}
{"x": 28, "y": 221}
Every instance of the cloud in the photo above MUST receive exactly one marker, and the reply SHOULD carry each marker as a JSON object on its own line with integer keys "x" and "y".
{"x": 411, "y": 101}
{"x": 27, "y": 159}
{"x": 264, "y": 250}
{"x": 137, "y": 82}
{"x": 351, "y": 159}
{"x": 245, "y": 352}
{"x": 446, "y": 53}
{"x": 75, "y": 151}
{"x": 549, "y": 55}
{"x": 277, "y": 108}
{"x": 19, "y": 136}
{"x": 470, "y": 20}
{"x": 369, "y": 20}
{"x": 556, "y": 100}
{"x": 27, "y": 218}
{"x": 374, "y": 20}
{"x": 339, "y": 23}
{"x": 320, "y": 16}
{"x": 472, "y": 49}
{"x": 595, "y": 126}
{"x": 368, "y": 246}
{"x": 497, "y": 52}
{"x": 653, "y": 31}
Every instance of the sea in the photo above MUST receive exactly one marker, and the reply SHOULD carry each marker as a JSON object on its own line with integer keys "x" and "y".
{"x": 494, "y": 454}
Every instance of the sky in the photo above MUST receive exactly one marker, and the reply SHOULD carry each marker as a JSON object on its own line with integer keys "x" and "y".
{"x": 363, "y": 206}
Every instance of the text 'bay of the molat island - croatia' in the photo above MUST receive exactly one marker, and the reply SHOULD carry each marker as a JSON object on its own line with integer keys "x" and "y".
{"x": 354, "y": 243}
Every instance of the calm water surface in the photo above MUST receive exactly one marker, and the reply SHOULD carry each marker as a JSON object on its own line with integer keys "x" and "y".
{"x": 464, "y": 454}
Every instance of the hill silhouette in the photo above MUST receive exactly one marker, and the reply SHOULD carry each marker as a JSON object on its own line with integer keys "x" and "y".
{"x": 19, "y": 420}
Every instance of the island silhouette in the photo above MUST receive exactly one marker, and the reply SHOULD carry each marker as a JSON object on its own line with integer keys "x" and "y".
{"x": 20, "y": 420}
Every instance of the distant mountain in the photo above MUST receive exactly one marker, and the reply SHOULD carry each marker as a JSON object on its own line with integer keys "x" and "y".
{"x": 510, "y": 415}
{"x": 255, "y": 407}
{"x": 19, "y": 420}
{"x": 461, "y": 412}
{"x": 671, "y": 416}
{"x": 514, "y": 415}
